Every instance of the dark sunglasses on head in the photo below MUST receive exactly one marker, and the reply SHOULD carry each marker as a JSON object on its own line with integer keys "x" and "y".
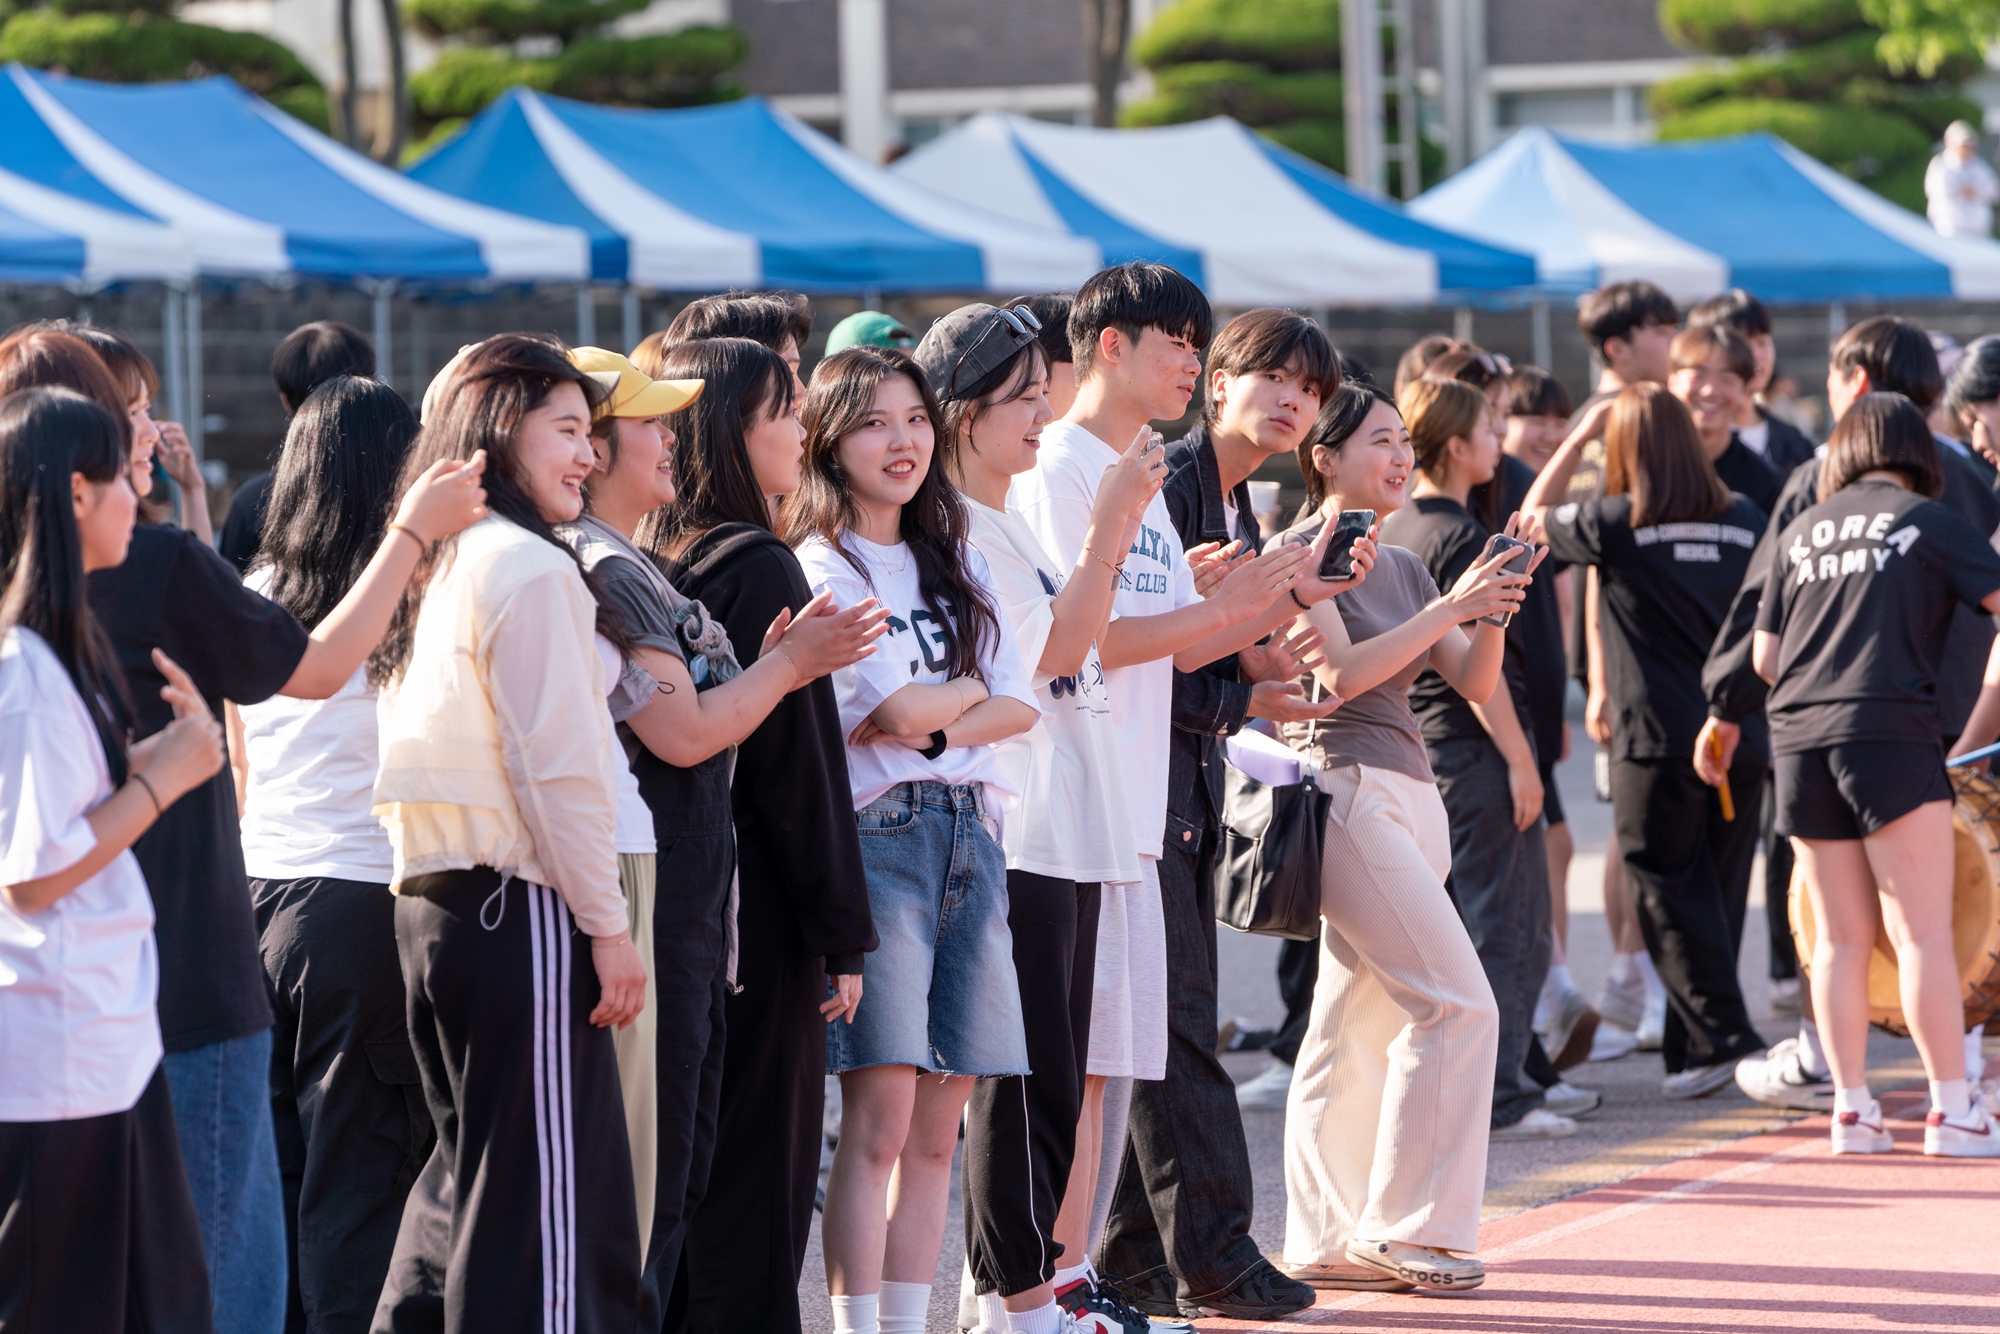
{"x": 1019, "y": 319}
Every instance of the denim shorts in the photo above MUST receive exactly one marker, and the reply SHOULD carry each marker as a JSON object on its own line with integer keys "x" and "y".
{"x": 939, "y": 992}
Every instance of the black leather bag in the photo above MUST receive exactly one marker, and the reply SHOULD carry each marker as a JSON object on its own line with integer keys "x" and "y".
{"x": 1267, "y": 866}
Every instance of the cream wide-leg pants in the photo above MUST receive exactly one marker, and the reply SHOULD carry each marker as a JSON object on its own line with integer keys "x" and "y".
{"x": 1385, "y": 1128}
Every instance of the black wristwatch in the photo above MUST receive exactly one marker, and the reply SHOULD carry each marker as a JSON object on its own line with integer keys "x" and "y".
{"x": 936, "y": 748}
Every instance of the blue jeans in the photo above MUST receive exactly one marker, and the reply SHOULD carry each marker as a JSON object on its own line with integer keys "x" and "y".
{"x": 222, "y": 1106}
{"x": 939, "y": 992}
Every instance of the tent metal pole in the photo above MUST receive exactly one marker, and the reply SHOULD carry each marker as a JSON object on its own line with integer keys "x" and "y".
{"x": 171, "y": 353}
{"x": 1836, "y": 321}
{"x": 586, "y": 315}
{"x": 628, "y": 310}
{"x": 196, "y": 404}
{"x": 385, "y": 295}
{"x": 1461, "y": 324}
{"x": 1544, "y": 348}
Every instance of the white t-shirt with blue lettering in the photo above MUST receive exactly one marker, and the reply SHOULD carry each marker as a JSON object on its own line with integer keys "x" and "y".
{"x": 1055, "y": 498}
{"x": 911, "y": 653}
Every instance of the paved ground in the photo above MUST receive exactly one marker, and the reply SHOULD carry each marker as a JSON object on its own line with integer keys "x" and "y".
{"x": 1599, "y": 1233}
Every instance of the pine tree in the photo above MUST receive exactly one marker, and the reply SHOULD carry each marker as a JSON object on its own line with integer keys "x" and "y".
{"x": 1815, "y": 73}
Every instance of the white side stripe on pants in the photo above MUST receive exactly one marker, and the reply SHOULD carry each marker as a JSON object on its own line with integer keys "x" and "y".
{"x": 555, "y": 1134}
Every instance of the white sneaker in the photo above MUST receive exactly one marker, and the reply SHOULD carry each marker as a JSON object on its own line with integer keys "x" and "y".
{"x": 1566, "y": 1099}
{"x": 1778, "y": 1078}
{"x": 1652, "y": 1030}
{"x": 1623, "y": 1003}
{"x": 1989, "y": 1094}
{"x": 1974, "y": 1135}
{"x": 1863, "y": 1132}
{"x": 1538, "y": 1124}
{"x": 1697, "y": 1081}
{"x": 1611, "y": 1042}
{"x": 1266, "y": 1092}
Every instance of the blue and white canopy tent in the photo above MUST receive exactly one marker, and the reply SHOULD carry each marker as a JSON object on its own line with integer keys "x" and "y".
{"x": 1250, "y": 221}
{"x": 51, "y": 238}
{"x": 1699, "y": 217}
{"x": 738, "y": 195}
{"x": 245, "y": 192}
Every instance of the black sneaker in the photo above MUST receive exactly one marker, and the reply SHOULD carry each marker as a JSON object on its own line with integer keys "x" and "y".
{"x": 1154, "y": 1294}
{"x": 1120, "y": 1304}
{"x": 1261, "y": 1294}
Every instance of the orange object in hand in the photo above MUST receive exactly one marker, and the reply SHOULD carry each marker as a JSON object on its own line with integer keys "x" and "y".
{"x": 1722, "y": 788}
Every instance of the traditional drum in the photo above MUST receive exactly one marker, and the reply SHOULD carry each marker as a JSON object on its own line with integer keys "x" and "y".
{"x": 1975, "y": 913}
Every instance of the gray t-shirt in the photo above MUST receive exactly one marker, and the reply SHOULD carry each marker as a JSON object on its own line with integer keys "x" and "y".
{"x": 1376, "y": 728}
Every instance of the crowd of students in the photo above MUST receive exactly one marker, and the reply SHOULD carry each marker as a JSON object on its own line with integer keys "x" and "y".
{"x": 449, "y": 923}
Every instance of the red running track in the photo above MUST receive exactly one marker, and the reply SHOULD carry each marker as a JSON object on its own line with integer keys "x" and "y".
{"x": 1765, "y": 1233}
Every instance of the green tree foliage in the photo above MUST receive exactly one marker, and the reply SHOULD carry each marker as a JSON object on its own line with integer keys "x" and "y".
{"x": 133, "y": 45}
{"x": 1819, "y": 75}
{"x": 1272, "y": 64}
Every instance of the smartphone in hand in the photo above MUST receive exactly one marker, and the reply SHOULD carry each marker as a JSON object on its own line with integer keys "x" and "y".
{"x": 1523, "y": 553}
{"x": 1338, "y": 562}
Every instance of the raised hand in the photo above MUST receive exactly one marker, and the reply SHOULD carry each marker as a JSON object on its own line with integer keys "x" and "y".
{"x": 187, "y": 752}
{"x": 824, "y": 637}
{"x": 1487, "y": 589}
{"x": 1211, "y": 562}
{"x": 1130, "y": 484}
{"x": 447, "y": 498}
{"x": 1287, "y": 702}
{"x": 1285, "y": 656}
{"x": 1251, "y": 587}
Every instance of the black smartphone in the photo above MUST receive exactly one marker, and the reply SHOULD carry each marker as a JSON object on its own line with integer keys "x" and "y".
{"x": 1523, "y": 553}
{"x": 1338, "y": 562}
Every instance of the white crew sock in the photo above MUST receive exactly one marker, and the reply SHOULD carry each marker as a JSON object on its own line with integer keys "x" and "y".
{"x": 1952, "y": 1097}
{"x": 1975, "y": 1056}
{"x": 1651, "y": 976}
{"x": 1624, "y": 967}
{"x": 1853, "y": 1100}
{"x": 1068, "y": 1274}
{"x": 857, "y": 1314}
{"x": 1554, "y": 987}
{"x": 906, "y": 1307}
{"x": 992, "y": 1313}
{"x": 1812, "y": 1056}
{"x": 1044, "y": 1319}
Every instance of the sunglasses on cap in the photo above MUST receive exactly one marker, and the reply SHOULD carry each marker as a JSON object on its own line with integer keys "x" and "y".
{"x": 1022, "y": 326}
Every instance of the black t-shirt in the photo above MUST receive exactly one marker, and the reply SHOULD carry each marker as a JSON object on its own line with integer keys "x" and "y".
{"x": 1744, "y": 473}
{"x": 174, "y": 594}
{"x": 1446, "y": 537}
{"x": 1665, "y": 588}
{"x": 243, "y": 527}
{"x": 1861, "y": 589}
{"x": 1535, "y": 635}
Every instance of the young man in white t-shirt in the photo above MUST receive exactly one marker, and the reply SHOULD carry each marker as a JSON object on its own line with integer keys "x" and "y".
{"x": 1136, "y": 332}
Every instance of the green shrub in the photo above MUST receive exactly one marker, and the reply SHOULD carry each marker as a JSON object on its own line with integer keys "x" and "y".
{"x": 1738, "y": 27}
{"x": 144, "y": 48}
{"x": 1846, "y": 69}
{"x": 678, "y": 69}
{"x": 500, "y": 21}
{"x": 1252, "y": 95}
{"x": 1277, "y": 34}
{"x": 1325, "y": 142}
{"x": 306, "y": 104}
{"x": 1873, "y": 147}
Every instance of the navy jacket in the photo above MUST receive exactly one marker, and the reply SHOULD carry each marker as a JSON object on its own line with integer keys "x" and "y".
{"x": 1212, "y": 703}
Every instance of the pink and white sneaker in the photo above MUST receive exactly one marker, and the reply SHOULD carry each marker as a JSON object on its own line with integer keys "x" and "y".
{"x": 1974, "y": 1135}
{"x": 1861, "y": 1132}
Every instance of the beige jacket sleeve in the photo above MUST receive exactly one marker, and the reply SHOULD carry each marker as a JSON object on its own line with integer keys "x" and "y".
{"x": 547, "y": 687}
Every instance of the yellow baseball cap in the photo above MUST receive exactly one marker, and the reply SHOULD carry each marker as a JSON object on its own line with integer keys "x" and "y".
{"x": 629, "y": 391}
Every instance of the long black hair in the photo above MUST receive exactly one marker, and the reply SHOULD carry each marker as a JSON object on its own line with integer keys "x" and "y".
{"x": 46, "y": 435}
{"x": 499, "y": 383}
{"x": 332, "y": 492}
{"x": 933, "y": 523}
{"x": 1339, "y": 418}
{"x": 714, "y": 483}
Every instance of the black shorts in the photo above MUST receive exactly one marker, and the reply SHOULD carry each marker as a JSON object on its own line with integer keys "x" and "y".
{"x": 1851, "y": 790}
{"x": 1552, "y": 802}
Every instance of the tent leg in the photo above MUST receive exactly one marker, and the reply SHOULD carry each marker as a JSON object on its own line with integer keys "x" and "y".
{"x": 171, "y": 353}
{"x": 197, "y": 398}
{"x": 1544, "y": 349}
{"x": 1461, "y": 324}
{"x": 1836, "y": 321}
{"x": 385, "y": 295}
{"x": 586, "y": 315}
{"x": 628, "y": 310}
